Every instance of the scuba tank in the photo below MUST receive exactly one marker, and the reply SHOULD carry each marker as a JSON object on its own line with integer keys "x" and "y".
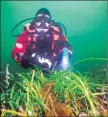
{"x": 64, "y": 64}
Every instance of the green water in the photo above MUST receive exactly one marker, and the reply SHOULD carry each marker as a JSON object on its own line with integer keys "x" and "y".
{"x": 85, "y": 22}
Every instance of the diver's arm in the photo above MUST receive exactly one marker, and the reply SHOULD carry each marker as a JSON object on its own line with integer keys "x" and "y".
{"x": 60, "y": 45}
{"x": 67, "y": 45}
{"x": 19, "y": 50}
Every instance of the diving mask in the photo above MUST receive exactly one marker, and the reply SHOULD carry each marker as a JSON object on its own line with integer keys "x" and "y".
{"x": 42, "y": 23}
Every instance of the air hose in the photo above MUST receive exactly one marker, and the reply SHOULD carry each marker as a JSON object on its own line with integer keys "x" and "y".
{"x": 17, "y": 26}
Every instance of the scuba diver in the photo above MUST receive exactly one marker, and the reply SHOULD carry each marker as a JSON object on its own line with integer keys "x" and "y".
{"x": 42, "y": 43}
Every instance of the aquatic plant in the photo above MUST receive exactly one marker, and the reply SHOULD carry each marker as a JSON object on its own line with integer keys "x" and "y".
{"x": 74, "y": 88}
{"x": 57, "y": 93}
{"x": 23, "y": 94}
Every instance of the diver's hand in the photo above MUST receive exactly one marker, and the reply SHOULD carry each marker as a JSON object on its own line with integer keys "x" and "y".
{"x": 42, "y": 61}
{"x": 25, "y": 61}
{"x": 67, "y": 45}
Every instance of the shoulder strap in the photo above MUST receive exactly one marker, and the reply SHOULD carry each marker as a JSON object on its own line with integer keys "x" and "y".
{"x": 27, "y": 26}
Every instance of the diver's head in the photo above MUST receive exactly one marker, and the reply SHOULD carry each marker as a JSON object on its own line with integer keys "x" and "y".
{"x": 42, "y": 20}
